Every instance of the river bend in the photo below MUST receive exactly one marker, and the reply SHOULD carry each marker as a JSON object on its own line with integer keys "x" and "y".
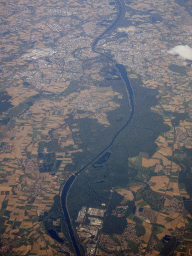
{"x": 122, "y": 71}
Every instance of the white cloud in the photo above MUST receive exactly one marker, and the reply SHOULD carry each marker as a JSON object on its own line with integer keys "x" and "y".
{"x": 183, "y": 51}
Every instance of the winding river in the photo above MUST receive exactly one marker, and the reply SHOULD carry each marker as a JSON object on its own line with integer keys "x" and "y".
{"x": 122, "y": 71}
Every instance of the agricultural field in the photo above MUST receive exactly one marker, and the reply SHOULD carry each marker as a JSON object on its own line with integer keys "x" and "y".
{"x": 62, "y": 103}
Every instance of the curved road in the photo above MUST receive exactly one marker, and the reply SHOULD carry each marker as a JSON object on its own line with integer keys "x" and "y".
{"x": 121, "y": 69}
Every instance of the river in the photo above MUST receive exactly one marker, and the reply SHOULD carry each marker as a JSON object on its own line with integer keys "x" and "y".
{"x": 122, "y": 71}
